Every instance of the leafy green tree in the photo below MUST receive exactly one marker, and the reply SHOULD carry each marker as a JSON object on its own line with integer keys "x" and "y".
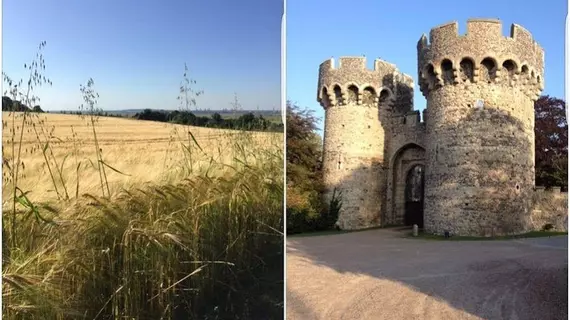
{"x": 304, "y": 146}
{"x": 6, "y": 104}
{"x": 304, "y": 176}
{"x": 217, "y": 118}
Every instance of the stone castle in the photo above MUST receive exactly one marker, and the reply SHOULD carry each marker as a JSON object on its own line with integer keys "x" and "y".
{"x": 465, "y": 167}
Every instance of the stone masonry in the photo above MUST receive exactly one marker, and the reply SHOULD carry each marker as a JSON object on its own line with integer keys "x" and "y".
{"x": 476, "y": 140}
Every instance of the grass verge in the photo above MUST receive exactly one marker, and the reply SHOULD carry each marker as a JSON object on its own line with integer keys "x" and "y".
{"x": 422, "y": 235}
{"x": 329, "y": 232}
{"x": 532, "y": 234}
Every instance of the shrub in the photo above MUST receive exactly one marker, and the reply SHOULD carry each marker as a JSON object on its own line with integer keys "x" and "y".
{"x": 302, "y": 210}
{"x": 329, "y": 215}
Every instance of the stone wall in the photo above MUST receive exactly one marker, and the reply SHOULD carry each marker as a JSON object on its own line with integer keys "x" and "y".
{"x": 549, "y": 207}
{"x": 359, "y": 104}
{"x": 479, "y": 128}
{"x": 476, "y": 139}
{"x": 353, "y": 163}
{"x": 405, "y": 150}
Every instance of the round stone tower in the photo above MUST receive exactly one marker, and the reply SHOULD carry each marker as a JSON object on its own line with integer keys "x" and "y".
{"x": 358, "y": 103}
{"x": 480, "y": 89}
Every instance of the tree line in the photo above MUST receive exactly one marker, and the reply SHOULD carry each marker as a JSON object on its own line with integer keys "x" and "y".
{"x": 247, "y": 121}
{"x": 14, "y": 105}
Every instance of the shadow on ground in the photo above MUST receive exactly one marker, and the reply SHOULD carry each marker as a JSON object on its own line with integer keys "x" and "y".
{"x": 381, "y": 274}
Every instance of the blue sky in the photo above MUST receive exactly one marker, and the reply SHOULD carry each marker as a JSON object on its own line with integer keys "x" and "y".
{"x": 390, "y": 30}
{"x": 135, "y": 50}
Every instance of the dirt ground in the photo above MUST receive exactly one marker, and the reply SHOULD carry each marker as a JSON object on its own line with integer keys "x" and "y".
{"x": 378, "y": 274}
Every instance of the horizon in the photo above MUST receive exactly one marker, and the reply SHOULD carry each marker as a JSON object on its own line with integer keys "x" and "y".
{"x": 172, "y": 110}
{"x": 137, "y": 61}
{"x": 378, "y": 33}
{"x": 223, "y": 110}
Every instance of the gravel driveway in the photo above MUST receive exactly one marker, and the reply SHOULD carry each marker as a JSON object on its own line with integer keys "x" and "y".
{"x": 378, "y": 274}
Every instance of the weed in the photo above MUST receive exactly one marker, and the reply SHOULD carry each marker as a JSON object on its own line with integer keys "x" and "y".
{"x": 26, "y": 97}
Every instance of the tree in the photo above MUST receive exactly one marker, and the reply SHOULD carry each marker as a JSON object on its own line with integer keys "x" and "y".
{"x": 6, "y": 104}
{"x": 217, "y": 118}
{"x": 15, "y": 105}
{"x": 551, "y": 142}
{"x": 304, "y": 178}
{"x": 303, "y": 145}
{"x": 247, "y": 121}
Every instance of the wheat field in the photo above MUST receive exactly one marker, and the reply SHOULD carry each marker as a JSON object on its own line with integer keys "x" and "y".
{"x": 190, "y": 229}
{"x": 142, "y": 151}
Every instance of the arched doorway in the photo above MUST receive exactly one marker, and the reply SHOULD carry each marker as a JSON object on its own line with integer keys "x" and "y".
{"x": 407, "y": 157}
{"x": 414, "y": 196}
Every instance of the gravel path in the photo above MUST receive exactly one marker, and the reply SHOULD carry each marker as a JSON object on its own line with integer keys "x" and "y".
{"x": 377, "y": 274}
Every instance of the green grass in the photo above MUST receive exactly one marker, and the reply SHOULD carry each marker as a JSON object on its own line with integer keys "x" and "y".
{"x": 532, "y": 234}
{"x": 328, "y": 232}
{"x": 426, "y": 236}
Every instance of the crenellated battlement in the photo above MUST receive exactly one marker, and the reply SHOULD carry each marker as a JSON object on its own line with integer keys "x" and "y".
{"x": 483, "y": 54}
{"x": 351, "y": 81}
{"x": 472, "y": 150}
{"x": 352, "y": 63}
{"x": 479, "y": 28}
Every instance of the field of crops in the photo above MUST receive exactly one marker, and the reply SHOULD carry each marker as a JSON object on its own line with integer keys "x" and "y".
{"x": 135, "y": 152}
{"x": 140, "y": 219}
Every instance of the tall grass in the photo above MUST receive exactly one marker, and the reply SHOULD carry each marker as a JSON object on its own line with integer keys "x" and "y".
{"x": 207, "y": 243}
{"x": 204, "y": 246}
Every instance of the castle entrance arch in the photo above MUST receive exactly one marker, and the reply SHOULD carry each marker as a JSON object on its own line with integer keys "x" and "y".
{"x": 414, "y": 196}
{"x": 404, "y": 184}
